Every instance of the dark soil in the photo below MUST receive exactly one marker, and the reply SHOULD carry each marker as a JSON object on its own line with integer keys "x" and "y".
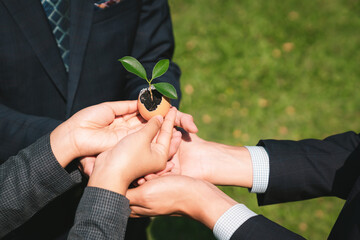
{"x": 145, "y": 99}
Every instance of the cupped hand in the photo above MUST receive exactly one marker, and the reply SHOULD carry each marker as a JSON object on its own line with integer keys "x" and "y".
{"x": 94, "y": 130}
{"x": 135, "y": 155}
{"x": 210, "y": 161}
{"x": 165, "y": 195}
{"x": 179, "y": 195}
{"x": 86, "y": 164}
{"x": 99, "y": 127}
{"x": 191, "y": 159}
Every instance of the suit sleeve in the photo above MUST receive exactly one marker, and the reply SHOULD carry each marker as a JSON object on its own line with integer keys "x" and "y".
{"x": 154, "y": 41}
{"x": 101, "y": 214}
{"x": 259, "y": 227}
{"x": 29, "y": 181}
{"x": 18, "y": 130}
{"x": 311, "y": 168}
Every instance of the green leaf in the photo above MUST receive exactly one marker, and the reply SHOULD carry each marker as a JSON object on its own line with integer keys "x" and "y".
{"x": 166, "y": 89}
{"x": 160, "y": 68}
{"x": 134, "y": 66}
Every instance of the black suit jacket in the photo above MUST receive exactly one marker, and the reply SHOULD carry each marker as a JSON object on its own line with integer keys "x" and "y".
{"x": 36, "y": 92}
{"x": 308, "y": 169}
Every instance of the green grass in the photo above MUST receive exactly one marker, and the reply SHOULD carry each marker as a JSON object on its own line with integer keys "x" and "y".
{"x": 267, "y": 69}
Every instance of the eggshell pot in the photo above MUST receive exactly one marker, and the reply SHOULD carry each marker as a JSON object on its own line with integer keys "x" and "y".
{"x": 161, "y": 109}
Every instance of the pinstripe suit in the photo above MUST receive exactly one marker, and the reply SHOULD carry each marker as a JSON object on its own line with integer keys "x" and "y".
{"x": 33, "y": 178}
{"x": 37, "y": 94}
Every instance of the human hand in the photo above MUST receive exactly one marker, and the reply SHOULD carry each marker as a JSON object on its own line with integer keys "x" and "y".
{"x": 185, "y": 121}
{"x": 94, "y": 130}
{"x": 179, "y": 195}
{"x": 86, "y": 164}
{"x": 99, "y": 127}
{"x": 213, "y": 162}
{"x": 135, "y": 155}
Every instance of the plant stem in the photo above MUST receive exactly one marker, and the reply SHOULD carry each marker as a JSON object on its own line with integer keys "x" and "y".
{"x": 151, "y": 92}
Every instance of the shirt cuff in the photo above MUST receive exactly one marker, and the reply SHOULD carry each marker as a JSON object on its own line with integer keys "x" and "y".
{"x": 231, "y": 220}
{"x": 261, "y": 168}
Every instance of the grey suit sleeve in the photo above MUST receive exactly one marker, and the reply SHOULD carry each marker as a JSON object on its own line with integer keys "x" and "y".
{"x": 101, "y": 214}
{"x": 29, "y": 181}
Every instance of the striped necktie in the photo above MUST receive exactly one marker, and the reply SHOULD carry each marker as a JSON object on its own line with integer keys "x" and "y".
{"x": 57, "y": 12}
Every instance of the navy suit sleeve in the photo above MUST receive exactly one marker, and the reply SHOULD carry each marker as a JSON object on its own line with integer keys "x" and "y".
{"x": 259, "y": 227}
{"x": 311, "y": 168}
{"x": 154, "y": 41}
{"x": 18, "y": 130}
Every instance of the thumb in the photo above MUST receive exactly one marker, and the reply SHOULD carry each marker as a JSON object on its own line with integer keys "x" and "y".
{"x": 151, "y": 128}
{"x": 133, "y": 196}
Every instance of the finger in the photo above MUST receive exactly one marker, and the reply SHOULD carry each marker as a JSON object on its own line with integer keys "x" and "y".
{"x": 89, "y": 168}
{"x": 175, "y": 143}
{"x": 168, "y": 168}
{"x": 122, "y": 107}
{"x": 167, "y": 129}
{"x": 177, "y": 133}
{"x": 133, "y": 215}
{"x": 87, "y": 165}
{"x": 151, "y": 128}
{"x": 141, "y": 211}
{"x": 186, "y": 121}
{"x": 134, "y": 195}
{"x": 150, "y": 176}
{"x": 141, "y": 181}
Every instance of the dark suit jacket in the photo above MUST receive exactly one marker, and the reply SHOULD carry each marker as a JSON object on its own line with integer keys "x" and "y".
{"x": 308, "y": 169}
{"x": 37, "y": 94}
{"x": 34, "y": 177}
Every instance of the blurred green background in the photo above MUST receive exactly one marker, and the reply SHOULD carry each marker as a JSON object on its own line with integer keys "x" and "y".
{"x": 267, "y": 69}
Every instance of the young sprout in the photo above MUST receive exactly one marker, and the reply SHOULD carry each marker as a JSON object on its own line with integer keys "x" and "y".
{"x": 134, "y": 66}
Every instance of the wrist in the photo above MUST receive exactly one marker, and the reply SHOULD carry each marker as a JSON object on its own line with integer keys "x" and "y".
{"x": 61, "y": 145}
{"x": 107, "y": 176}
{"x": 232, "y": 166}
{"x": 208, "y": 212}
{"x": 105, "y": 179}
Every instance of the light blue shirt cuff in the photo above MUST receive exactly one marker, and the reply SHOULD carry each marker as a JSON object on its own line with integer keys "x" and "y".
{"x": 261, "y": 168}
{"x": 231, "y": 220}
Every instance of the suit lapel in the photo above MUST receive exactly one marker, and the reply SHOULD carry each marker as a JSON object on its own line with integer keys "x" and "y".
{"x": 81, "y": 13}
{"x": 30, "y": 17}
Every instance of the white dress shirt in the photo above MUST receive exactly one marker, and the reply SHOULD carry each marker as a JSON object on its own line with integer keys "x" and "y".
{"x": 234, "y": 217}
